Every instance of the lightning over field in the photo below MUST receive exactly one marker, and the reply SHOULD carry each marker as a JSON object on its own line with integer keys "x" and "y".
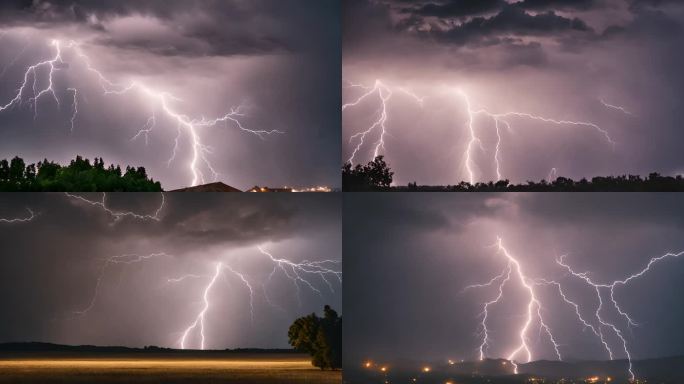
{"x": 512, "y": 88}
{"x": 149, "y": 84}
{"x": 180, "y": 271}
{"x": 514, "y": 287}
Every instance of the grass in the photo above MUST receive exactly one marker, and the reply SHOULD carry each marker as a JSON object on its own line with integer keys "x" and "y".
{"x": 244, "y": 368}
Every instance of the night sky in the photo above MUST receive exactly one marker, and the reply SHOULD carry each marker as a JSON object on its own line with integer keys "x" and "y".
{"x": 410, "y": 257}
{"x": 278, "y": 61}
{"x": 50, "y": 267}
{"x": 577, "y": 61}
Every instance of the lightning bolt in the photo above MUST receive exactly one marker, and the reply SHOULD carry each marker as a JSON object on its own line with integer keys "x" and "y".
{"x": 199, "y": 319}
{"x": 384, "y": 94}
{"x": 500, "y": 119}
{"x": 553, "y": 175}
{"x": 118, "y": 215}
{"x": 114, "y": 260}
{"x": 610, "y": 287}
{"x": 534, "y": 306}
{"x": 298, "y": 272}
{"x": 533, "y": 310}
{"x": 504, "y": 277}
{"x": 200, "y": 151}
{"x": 616, "y": 107}
{"x": 30, "y": 217}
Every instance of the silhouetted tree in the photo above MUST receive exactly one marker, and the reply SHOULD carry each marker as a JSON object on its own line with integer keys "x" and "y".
{"x": 319, "y": 337}
{"x": 78, "y": 176}
{"x": 375, "y": 175}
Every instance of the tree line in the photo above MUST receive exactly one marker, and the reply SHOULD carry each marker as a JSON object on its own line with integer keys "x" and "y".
{"x": 377, "y": 176}
{"x": 79, "y": 176}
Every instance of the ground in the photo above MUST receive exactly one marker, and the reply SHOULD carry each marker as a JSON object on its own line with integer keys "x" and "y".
{"x": 118, "y": 368}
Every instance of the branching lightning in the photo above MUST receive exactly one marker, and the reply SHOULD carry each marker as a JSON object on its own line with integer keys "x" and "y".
{"x": 384, "y": 94}
{"x": 598, "y": 324}
{"x": 502, "y": 119}
{"x": 298, "y": 272}
{"x": 34, "y": 87}
{"x": 118, "y": 215}
{"x": 378, "y": 128}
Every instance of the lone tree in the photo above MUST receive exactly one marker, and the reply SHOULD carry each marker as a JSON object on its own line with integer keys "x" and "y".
{"x": 372, "y": 176}
{"x": 319, "y": 337}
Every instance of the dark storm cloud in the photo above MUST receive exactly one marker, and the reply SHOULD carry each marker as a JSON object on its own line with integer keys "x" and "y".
{"x": 50, "y": 266}
{"x": 456, "y": 8}
{"x": 511, "y": 21}
{"x": 208, "y": 27}
{"x": 406, "y": 300}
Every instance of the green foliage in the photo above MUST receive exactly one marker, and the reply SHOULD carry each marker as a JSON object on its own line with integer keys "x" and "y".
{"x": 375, "y": 175}
{"x": 319, "y": 337}
{"x": 79, "y": 176}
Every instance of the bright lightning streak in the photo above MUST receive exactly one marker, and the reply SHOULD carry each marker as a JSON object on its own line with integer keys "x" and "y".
{"x": 616, "y": 107}
{"x": 532, "y": 304}
{"x": 30, "y": 217}
{"x": 118, "y": 215}
{"x": 503, "y": 119}
{"x": 384, "y": 94}
{"x": 200, "y": 151}
{"x": 485, "y": 309}
{"x": 611, "y": 289}
{"x": 32, "y": 74}
{"x": 298, "y": 272}
{"x": 113, "y": 260}
{"x": 534, "y": 308}
{"x": 553, "y": 175}
{"x": 199, "y": 319}
{"x": 198, "y": 323}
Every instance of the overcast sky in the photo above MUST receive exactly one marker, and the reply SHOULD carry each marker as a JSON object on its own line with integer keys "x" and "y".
{"x": 50, "y": 267}
{"x": 565, "y": 60}
{"x": 409, "y": 260}
{"x": 280, "y": 61}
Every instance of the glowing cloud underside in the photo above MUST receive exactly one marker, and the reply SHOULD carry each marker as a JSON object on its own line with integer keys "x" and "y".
{"x": 38, "y": 82}
{"x": 514, "y": 273}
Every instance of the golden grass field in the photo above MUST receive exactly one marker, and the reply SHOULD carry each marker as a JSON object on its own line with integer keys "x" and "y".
{"x": 247, "y": 369}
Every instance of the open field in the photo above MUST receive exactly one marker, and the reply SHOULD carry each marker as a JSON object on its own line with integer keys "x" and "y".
{"x": 119, "y": 368}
